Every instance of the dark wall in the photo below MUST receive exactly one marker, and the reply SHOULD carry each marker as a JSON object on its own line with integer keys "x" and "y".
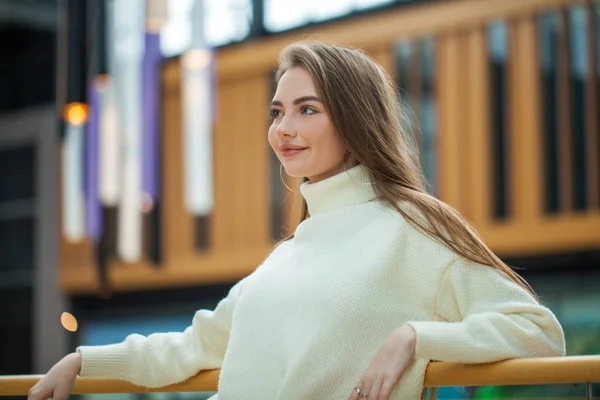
{"x": 27, "y": 66}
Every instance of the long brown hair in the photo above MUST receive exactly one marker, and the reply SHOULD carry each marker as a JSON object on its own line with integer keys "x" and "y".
{"x": 364, "y": 105}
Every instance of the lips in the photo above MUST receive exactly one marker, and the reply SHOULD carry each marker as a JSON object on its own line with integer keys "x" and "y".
{"x": 291, "y": 150}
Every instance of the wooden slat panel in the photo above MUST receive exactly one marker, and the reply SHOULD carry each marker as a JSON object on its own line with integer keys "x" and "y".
{"x": 561, "y": 233}
{"x": 257, "y": 160}
{"x": 223, "y": 219}
{"x": 451, "y": 130}
{"x": 242, "y": 154}
{"x": 239, "y": 175}
{"x": 238, "y": 156}
{"x": 478, "y": 130}
{"x": 565, "y": 163}
{"x": 384, "y": 56}
{"x": 260, "y": 162}
{"x": 591, "y": 112}
{"x": 525, "y": 136}
{"x": 369, "y": 31}
{"x": 196, "y": 269}
{"x": 178, "y": 224}
{"x": 76, "y": 260}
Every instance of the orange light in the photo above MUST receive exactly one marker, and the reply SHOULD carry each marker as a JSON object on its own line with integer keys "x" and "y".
{"x": 76, "y": 113}
{"x": 68, "y": 321}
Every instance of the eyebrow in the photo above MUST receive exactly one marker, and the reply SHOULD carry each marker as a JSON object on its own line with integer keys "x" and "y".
{"x": 298, "y": 100}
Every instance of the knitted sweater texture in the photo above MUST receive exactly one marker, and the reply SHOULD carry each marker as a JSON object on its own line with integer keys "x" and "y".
{"x": 309, "y": 320}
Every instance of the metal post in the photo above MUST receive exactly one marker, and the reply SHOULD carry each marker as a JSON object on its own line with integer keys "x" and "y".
{"x": 588, "y": 391}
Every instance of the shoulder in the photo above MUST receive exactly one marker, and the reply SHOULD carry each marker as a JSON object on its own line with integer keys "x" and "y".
{"x": 415, "y": 252}
{"x": 414, "y": 230}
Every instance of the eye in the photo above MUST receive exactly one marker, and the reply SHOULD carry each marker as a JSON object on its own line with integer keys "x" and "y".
{"x": 275, "y": 113}
{"x": 307, "y": 110}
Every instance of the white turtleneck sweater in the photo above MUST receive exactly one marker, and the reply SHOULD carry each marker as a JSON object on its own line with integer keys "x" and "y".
{"x": 307, "y": 323}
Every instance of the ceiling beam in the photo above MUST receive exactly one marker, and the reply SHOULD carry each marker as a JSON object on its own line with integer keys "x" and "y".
{"x": 42, "y": 15}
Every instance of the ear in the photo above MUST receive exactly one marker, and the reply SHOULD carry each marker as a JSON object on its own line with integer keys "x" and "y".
{"x": 350, "y": 160}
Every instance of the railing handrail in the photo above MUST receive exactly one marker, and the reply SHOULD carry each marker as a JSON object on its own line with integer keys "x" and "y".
{"x": 528, "y": 371}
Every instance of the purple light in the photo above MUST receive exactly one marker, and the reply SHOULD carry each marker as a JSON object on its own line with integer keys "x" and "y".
{"x": 151, "y": 116}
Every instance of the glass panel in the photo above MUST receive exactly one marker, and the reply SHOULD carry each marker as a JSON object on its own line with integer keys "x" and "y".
{"x": 428, "y": 114}
{"x": 548, "y": 26}
{"x": 364, "y": 4}
{"x": 558, "y": 392}
{"x": 415, "y": 63}
{"x": 498, "y": 56}
{"x": 579, "y": 65}
{"x": 574, "y": 299}
{"x": 226, "y": 21}
{"x": 281, "y": 15}
{"x": 176, "y": 34}
{"x": 17, "y": 173}
{"x": 17, "y": 244}
{"x": 15, "y": 332}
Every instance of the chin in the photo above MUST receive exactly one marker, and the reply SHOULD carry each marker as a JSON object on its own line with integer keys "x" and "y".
{"x": 296, "y": 172}
{"x": 298, "y": 169}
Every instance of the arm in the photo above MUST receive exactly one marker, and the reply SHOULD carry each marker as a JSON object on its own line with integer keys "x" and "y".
{"x": 162, "y": 359}
{"x": 487, "y": 317}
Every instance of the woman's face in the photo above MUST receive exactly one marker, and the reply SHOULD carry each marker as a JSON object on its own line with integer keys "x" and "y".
{"x": 302, "y": 133}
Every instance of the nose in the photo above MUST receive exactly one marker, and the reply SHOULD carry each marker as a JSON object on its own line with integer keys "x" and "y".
{"x": 286, "y": 128}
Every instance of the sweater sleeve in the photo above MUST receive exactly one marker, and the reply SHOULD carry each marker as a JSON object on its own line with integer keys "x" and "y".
{"x": 162, "y": 359}
{"x": 486, "y": 317}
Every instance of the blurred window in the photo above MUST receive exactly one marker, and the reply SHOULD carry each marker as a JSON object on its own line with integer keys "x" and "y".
{"x": 224, "y": 21}
{"x": 281, "y": 15}
{"x": 17, "y": 208}
{"x": 415, "y": 68}
{"x": 498, "y": 59}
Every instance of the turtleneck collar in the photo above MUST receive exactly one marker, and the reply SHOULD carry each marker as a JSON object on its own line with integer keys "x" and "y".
{"x": 350, "y": 187}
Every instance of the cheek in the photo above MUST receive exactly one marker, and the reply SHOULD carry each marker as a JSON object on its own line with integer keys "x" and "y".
{"x": 331, "y": 142}
{"x": 272, "y": 138}
{"x": 339, "y": 148}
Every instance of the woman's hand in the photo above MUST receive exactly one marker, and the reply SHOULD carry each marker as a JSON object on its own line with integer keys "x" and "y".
{"x": 388, "y": 366}
{"x": 58, "y": 382}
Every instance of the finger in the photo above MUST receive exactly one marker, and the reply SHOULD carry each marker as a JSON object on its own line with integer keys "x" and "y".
{"x": 359, "y": 390}
{"x": 375, "y": 388}
{"x": 365, "y": 389}
{"x": 30, "y": 393}
{"x": 354, "y": 394}
{"x": 35, "y": 393}
{"x": 60, "y": 393}
{"x": 386, "y": 389}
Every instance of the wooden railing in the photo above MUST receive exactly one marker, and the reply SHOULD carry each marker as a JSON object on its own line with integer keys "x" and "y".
{"x": 534, "y": 371}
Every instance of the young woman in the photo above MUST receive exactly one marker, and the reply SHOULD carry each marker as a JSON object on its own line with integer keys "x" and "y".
{"x": 378, "y": 279}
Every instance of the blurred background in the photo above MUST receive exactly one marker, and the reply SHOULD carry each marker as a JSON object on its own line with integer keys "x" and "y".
{"x": 137, "y": 184}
